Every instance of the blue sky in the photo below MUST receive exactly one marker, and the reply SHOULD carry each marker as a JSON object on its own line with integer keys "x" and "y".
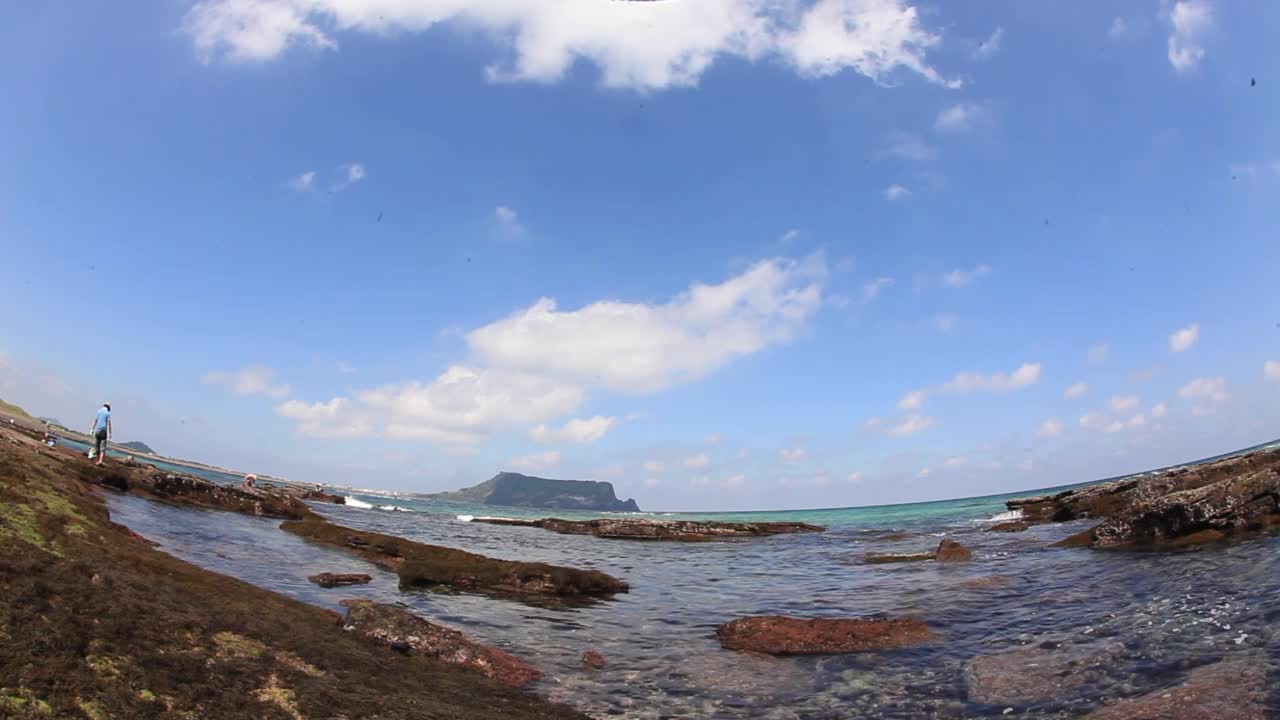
{"x": 727, "y": 255}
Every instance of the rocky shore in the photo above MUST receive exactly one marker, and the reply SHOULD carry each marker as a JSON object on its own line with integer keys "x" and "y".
{"x": 96, "y": 624}
{"x": 1183, "y": 506}
{"x": 671, "y": 530}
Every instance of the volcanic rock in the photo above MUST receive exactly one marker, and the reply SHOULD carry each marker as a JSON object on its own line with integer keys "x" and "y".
{"x": 778, "y": 635}
{"x": 873, "y": 558}
{"x": 592, "y": 660}
{"x": 1038, "y": 672}
{"x": 329, "y": 580}
{"x": 952, "y": 551}
{"x": 1009, "y": 527}
{"x": 644, "y": 529}
{"x": 1233, "y": 688}
{"x": 406, "y": 632}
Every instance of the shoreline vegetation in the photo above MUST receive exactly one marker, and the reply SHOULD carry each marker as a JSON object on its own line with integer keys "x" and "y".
{"x": 97, "y": 623}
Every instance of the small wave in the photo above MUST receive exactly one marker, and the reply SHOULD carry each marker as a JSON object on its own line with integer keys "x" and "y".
{"x": 394, "y": 508}
{"x": 466, "y": 518}
{"x": 1008, "y": 516}
{"x": 353, "y": 502}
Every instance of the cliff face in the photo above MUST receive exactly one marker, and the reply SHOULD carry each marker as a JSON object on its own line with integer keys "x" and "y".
{"x": 525, "y": 491}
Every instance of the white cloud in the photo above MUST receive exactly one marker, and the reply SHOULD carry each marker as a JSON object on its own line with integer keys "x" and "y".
{"x": 1271, "y": 370}
{"x": 697, "y": 461}
{"x": 1051, "y": 428}
{"x": 961, "y": 116}
{"x": 1098, "y": 353}
{"x": 854, "y": 477}
{"x": 789, "y": 235}
{"x": 507, "y": 222}
{"x": 1205, "y": 388}
{"x": 1137, "y": 421}
{"x": 303, "y": 181}
{"x": 1159, "y": 410}
{"x": 960, "y": 277}
{"x": 636, "y": 45}
{"x": 1118, "y": 29}
{"x": 913, "y": 400}
{"x": 640, "y": 348}
{"x": 1114, "y": 426}
{"x": 1190, "y": 19}
{"x": 252, "y": 380}
{"x": 734, "y": 480}
{"x": 652, "y": 482}
{"x": 1076, "y": 390}
{"x": 945, "y": 322}
{"x": 1026, "y": 375}
{"x": 908, "y": 146}
{"x": 874, "y": 423}
{"x": 355, "y": 173}
{"x": 924, "y": 473}
{"x": 872, "y": 290}
{"x": 325, "y": 419}
{"x": 654, "y": 466}
{"x": 952, "y": 463}
{"x": 1120, "y": 403}
{"x": 578, "y": 430}
{"x": 1185, "y": 338}
{"x": 536, "y": 461}
{"x": 896, "y": 192}
{"x": 990, "y": 46}
{"x": 1093, "y": 421}
{"x": 792, "y": 456}
{"x": 911, "y": 425}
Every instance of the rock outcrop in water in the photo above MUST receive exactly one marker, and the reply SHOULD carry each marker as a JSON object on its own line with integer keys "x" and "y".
{"x": 332, "y": 580}
{"x": 516, "y": 490}
{"x": 426, "y": 566}
{"x": 402, "y": 630}
{"x": 157, "y": 484}
{"x": 779, "y": 635}
{"x": 1234, "y": 688}
{"x": 644, "y": 529}
{"x": 1036, "y": 673}
{"x": 1202, "y": 503}
{"x": 948, "y": 551}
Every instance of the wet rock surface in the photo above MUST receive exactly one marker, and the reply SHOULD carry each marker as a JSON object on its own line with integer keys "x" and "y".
{"x": 592, "y": 660}
{"x": 154, "y": 483}
{"x": 643, "y": 529}
{"x": 1230, "y": 496}
{"x": 1038, "y": 672}
{"x": 952, "y": 551}
{"x": 1234, "y": 688}
{"x": 874, "y": 558}
{"x": 1009, "y": 527}
{"x": 402, "y": 630}
{"x": 421, "y": 565}
{"x": 331, "y": 580}
{"x": 779, "y": 635}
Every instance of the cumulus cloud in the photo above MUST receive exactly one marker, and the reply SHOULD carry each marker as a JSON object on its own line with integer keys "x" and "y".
{"x": 325, "y": 419}
{"x": 961, "y": 277}
{"x": 536, "y": 461}
{"x": 913, "y": 400}
{"x": 1026, "y": 375}
{"x": 896, "y": 192}
{"x": 1051, "y": 428}
{"x": 1120, "y": 403}
{"x": 1184, "y": 339}
{"x": 640, "y": 348}
{"x": 252, "y": 380}
{"x": 792, "y": 456}
{"x": 1205, "y": 388}
{"x": 1271, "y": 370}
{"x": 1190, "y": 20}
{"x": 507, "y": 222}
{"x": 635, "y": 45}
{"x": 911, "y": 425}
{"x": 1159, "y": 410}
{"x": 1076, "y": 390}
{"x": 872, "y": 290}
{"x": 961, "y": 116}
{"x": 578, "y": 430}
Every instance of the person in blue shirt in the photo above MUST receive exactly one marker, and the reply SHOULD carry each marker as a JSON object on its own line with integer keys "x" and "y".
{"x": 101, "y": 430}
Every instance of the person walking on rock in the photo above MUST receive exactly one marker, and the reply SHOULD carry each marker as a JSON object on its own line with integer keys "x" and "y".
{"x": 102, "y": 430}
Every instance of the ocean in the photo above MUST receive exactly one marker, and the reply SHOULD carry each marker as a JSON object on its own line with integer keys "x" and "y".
{"x": 1137, "y": 621}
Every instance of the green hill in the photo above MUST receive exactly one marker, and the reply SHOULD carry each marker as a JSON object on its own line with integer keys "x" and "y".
{"x": 137, "y": 446}
{"x": 509, "y": 488}
{"x": 11, "y": 409}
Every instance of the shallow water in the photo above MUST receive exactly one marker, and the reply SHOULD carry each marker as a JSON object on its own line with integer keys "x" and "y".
{"x": 1156, "y": 614}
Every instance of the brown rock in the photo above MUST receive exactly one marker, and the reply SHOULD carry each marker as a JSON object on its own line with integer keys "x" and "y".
{"x": 872, "y": 558}
{"x": 321, "y": 496}
{"x": 592, "y": 660}
{"x": 1009, "y": 527}
{"x": 409, "y": 633}
{"x": 1035, "y": 673}
{"x": 952, "y": 551}
{"x": 983, "y": 583}
{"x": 421, "y": 565}
{"x": 644, "y": 529}
{"x": 777, "y": 635}
{"x": 1234, "y": 688}
{"x": 329, "y": 580}
{"x": 151, "y": 482}
{"x": 893, "y": 536}
{"x": 1229, "y": 496}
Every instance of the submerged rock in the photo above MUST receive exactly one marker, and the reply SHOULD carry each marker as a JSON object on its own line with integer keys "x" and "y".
{"x": 1009, "y": 527}
{"x": 873, "y": 558}
{"x": 952, "y": 551}
{"x": 1038, "y": 672}
{"x": 592, "y": 660}
{"x": 1230, "y": 496}
{"x": 1233, "y": 688}
{"x": 645, "y": 529}
{"x": 329, "y": 580}
{"x": 406, "y": 632}
{"x": 778, "y": 635}
{"x": 421, "y": 565}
